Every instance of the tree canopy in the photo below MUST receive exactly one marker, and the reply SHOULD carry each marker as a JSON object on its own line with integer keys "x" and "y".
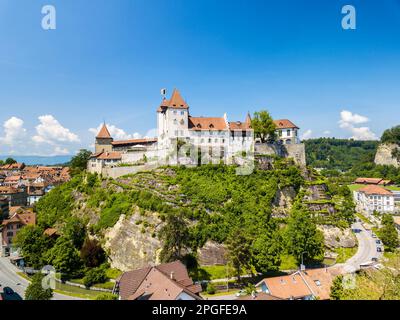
{"x": 79, "y": 162}
{"x": 35, "y": 290}
{"x": 263, "y": 126}
{"x": 391, "y": 135}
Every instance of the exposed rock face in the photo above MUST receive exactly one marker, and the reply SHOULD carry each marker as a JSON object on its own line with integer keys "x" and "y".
{"x": 283, "y": 201}
{"x": 130, "y": 245}
{"x": 212, "y": 253}
{"x": 384, "y": 155}
{"x": 336, "y": 237}
{"x": 295, "y": 151}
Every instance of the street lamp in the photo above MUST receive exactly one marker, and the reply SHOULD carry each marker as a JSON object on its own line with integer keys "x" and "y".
{"x": 302, "y": 266}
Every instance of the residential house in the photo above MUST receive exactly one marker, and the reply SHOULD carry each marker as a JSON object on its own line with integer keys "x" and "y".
{"x": 258, "y": 296}
{"x": 16, "y": 196}
{"x": 169, "y": 281}
{"x": 374, "y": 198}
{"x": 287, "y": 132}
{"x": 374, "y": 181}
{"x": 302, "y": 285}
{"x": 11, "y": 226}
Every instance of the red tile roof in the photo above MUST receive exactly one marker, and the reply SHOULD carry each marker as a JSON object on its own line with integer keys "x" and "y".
{"x": 103, "y": 133}
{"x": 368, "y": 180}
{"x": 134, "y": 141}
{"x": 26, "y": 217}
{"x": 165, "y": 281}
{"x": 259, "y": 296}
{"x": 176, "y": 102}
{"x": 373, "y": 189}
{"x": 207, "y": 123}
{"x": 107, "y": 155}
{"x": 285, "y": 124}
{"x": 315, "y": 282}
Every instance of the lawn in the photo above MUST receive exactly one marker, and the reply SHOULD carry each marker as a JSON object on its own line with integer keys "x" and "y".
{"x": 69, "y": 290}
{"x": 354, "y": 187}
{"x": 219, "y": 293}
{"x": 345, "y": 254}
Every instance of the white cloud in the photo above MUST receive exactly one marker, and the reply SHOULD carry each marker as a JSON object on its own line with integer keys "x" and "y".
{"x": 50, "y": 131}
{"x": 116, "y": 133}
{"x": 348, "y": 120}
{"x": 14, "y": 131}
{"x": 326, "y": 132}
{"x": 306, "y": 135}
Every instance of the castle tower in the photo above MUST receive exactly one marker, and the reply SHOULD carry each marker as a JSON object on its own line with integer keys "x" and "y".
{"x": 103, "y": 140}
{"x": 172, "y": 120}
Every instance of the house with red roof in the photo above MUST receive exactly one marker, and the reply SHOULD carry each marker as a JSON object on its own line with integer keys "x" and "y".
{"x": 10, "y": 227}
{"x": 374, "y": 198}
{"x": 168, "y": 281}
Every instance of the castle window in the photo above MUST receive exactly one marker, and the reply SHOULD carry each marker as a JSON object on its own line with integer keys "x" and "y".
{"x": 182, "y": 122}
{"x": 182, "y": 113}
{"x": 209, "y": 140}
{"x": 175, "y": 121}
{"x": 280, "y": 133}
{"x": 175, "y": 110}
{"x": 288, "y": 133}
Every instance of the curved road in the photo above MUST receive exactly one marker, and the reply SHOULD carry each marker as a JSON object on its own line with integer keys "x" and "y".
{"x": 9, "y": 278}
{"x": 366, "y": 249}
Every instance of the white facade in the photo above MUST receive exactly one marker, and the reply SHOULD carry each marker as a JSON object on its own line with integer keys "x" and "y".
{"x": 368, "y": 202}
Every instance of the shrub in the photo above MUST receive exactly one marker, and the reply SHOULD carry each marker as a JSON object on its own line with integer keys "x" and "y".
{"x": 211, "y": 288}
{"x": 106, "y": 296}
{"x": 93, "y": 276}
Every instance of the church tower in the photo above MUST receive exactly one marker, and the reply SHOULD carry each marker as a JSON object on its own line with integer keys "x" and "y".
{"x": 103, "y": 140}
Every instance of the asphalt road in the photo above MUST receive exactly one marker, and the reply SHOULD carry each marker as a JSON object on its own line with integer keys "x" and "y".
{"x": 366, "y": 249}
{"x": 9, "y": 278}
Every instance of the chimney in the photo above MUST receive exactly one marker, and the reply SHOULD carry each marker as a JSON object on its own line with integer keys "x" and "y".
{"x": 172, "y": 275}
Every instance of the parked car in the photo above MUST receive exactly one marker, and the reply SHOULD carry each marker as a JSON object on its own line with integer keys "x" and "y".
{"x": 241, "y": 293}
{"x": 378, "y": 249}
{"x": 378, "y": 241}
{"x": 8, "y": 291}
{"x": 373, "y": 235}
{"x": 374, "y": 259}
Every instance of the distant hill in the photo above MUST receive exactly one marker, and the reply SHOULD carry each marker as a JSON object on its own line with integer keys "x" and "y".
{"x": 340, "y": 154}
{"x": 37, "y": 160}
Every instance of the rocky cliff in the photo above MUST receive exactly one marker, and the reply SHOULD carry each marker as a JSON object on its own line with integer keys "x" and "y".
{"x": 384, "y": 155}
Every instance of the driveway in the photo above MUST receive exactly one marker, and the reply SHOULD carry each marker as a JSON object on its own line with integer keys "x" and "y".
{"x": 9, "y": 278}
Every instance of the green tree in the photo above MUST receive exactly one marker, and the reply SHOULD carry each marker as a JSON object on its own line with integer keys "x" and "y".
{"x": 92, "y": 253}
{"x": 337, "y": 288}
{"x": 263, "y": 126}
{"x": 93, "y": 276}
{"x": 75, "y": 230}
{"x": 35, "y": 290}
{"x": 239, "y": 255}
{"x": 267, "y": 250}
{"x": 303, "y": 237}
{"x": 33, "y": 245}
{"x": 391, "y": 135}
{"x": 174, "y": 236}
{"x": 10, "y": 161}
{"x": 79, "y": 162}
{"x": 388, "y": 233}
{"x": 64, "y": 257}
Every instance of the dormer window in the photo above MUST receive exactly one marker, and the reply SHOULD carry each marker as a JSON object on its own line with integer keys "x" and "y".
{"x": 198, "y": 125}
{"x": 211, "y": 126}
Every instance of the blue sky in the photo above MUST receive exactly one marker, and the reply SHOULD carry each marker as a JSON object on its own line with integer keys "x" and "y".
{"x": 107, "y": 60}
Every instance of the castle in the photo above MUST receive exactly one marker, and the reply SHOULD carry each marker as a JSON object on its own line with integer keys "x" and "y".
{"x": 216, "y": 139}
